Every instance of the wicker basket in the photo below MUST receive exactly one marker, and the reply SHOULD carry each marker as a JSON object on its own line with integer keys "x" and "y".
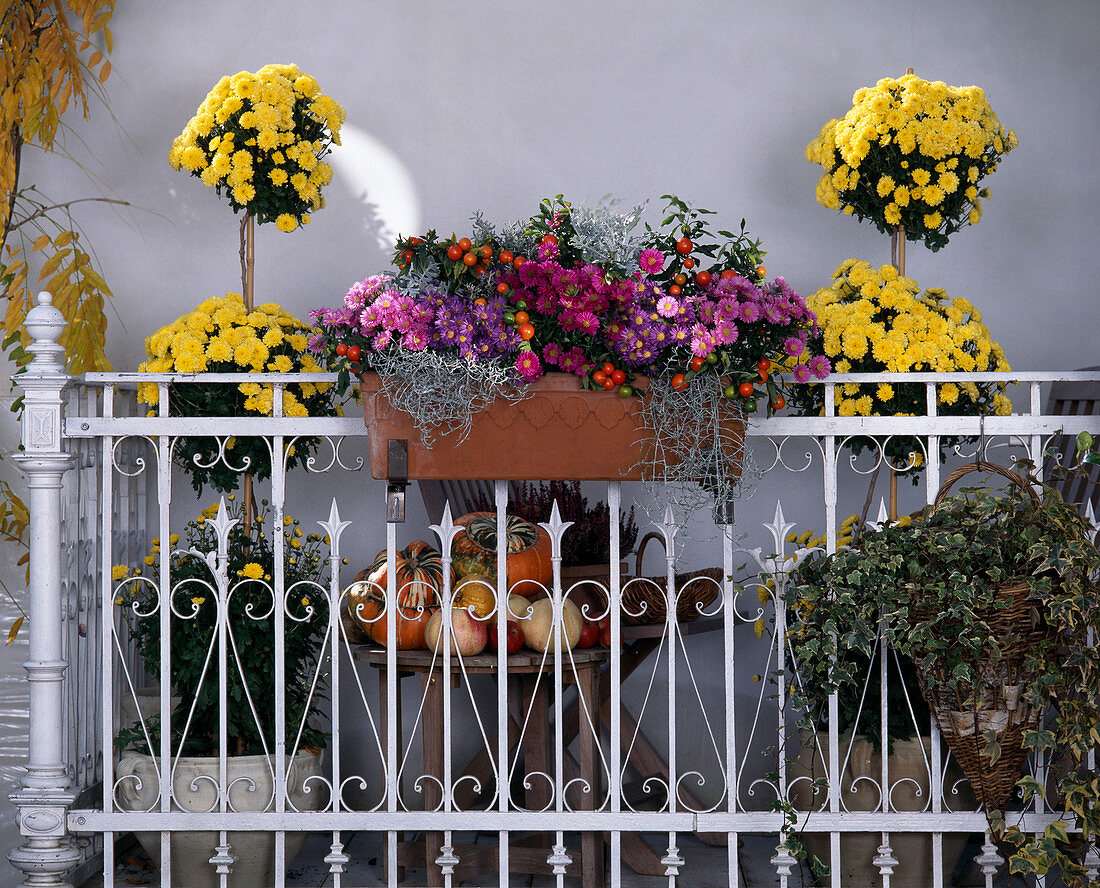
{"x": 963, "y": 718}
{"x": 644, "y": 599}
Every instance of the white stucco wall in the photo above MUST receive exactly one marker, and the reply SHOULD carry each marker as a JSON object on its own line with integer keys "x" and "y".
{"x": 493, "y": 106}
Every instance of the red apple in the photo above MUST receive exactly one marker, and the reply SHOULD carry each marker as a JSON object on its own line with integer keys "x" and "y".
{"x": 513, "y": 636}
{"x": 605, "y": 636}
{"x": 590, "y": 634}
{"x": 469, "y": 635}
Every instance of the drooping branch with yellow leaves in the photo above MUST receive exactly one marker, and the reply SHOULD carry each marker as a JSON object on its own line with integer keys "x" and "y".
{"x": 49, "y": 64}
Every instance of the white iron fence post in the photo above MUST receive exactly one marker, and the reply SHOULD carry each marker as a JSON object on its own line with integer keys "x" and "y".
{"x": 45, "y": 795}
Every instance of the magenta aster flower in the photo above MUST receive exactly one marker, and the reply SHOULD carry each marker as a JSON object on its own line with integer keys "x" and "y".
{"x": 547, "y": 252}
{"x": 528, "y": 366}
{"x": 801, "y": 373}
{"x": 587, "y": 322}
{"x": 651, "y": 261}
{"x": 750, "y": 312}
{"x": 553, "y": 352}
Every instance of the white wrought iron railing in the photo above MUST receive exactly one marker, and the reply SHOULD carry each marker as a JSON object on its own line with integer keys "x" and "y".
{"x": 676, "y": 745}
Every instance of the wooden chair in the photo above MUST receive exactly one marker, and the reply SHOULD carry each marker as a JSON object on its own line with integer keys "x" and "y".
{"x": 1073, "y": 399}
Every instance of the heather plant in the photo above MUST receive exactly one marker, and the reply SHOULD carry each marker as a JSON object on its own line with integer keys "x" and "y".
{"x": 588, "y": 541}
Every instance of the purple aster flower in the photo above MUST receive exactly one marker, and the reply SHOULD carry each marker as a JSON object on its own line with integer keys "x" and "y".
{"x": 651, "y": 261}
{"x": 801, "y": 373}
{"x": 680, "y": 333}
{"x": 316, "y": 343}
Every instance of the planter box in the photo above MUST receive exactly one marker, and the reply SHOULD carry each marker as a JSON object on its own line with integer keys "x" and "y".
{"x": 562, "y": 432}
{"x": 911, "y": 788}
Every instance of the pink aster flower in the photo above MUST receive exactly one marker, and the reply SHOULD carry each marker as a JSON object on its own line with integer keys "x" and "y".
{"x": 725, "y": 333}
{"x": 701, "y": 345}
{"x": 793, "y": 346}
{"x": 667, "y": 306}
{"x": 651, "y": 261}
{"x": 801, "y": 373}
{"x": 820, "y": 366}
{"x": 750, "y": 312}
{"x": 528, "y": 366}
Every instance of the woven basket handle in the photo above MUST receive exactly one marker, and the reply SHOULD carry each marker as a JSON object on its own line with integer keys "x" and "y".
{"x": 983, "y": 466}
{"x": 652, "y": 535}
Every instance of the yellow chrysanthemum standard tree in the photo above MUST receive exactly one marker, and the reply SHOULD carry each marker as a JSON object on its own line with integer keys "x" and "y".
{"x": 910, "y": 156}
{"x": 260, "y": 139}
{"x": 876, "y": 321}
{"x": 222, "y": 336}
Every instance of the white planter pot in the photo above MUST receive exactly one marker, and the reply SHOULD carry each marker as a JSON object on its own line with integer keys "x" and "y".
{"x": 191, "y": 851}
{"x": 145, "y": 701}
{"x": 908, "y": 772}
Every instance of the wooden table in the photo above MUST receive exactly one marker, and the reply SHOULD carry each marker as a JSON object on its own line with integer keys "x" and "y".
{"x": 529, "y": 671}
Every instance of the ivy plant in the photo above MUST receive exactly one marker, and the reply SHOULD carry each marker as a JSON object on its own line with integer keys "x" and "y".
{"x": 928, "y": 587}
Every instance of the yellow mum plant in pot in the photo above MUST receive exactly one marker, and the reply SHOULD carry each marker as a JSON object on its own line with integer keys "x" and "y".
{"x": 910, "y": 156}
{"x": 876, "y": 321}
{"x": 260, "y": 139}
{"x": 222, "y": 336}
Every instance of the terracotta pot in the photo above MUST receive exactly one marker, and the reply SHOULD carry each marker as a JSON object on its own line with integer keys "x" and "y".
{"x": 562, "y": 432}
{"x": 909, "y": 776}
{"x": 139, "y": 788}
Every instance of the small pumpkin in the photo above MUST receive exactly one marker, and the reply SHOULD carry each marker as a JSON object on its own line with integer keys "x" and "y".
{"x": 474, "y": 551}
{"x": 419, "y": 580}
{"x": 477, "y": 592}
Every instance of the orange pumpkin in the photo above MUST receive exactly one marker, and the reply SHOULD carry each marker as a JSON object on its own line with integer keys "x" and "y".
{"x": 419, "y": 580}
{"x": 474, "y": 551}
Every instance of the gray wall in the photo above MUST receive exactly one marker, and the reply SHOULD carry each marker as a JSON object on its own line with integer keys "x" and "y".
{"x": 459, "y": 106}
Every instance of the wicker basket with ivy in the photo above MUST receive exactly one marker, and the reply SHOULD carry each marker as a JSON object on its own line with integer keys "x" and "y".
{"x": 992, "y": 594}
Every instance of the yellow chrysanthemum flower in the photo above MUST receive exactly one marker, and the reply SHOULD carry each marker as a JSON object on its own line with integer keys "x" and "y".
{"x": 251, "y": 571}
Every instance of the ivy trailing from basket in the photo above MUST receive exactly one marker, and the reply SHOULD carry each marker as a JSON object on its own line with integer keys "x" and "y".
{"x": 931, "y": 588}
